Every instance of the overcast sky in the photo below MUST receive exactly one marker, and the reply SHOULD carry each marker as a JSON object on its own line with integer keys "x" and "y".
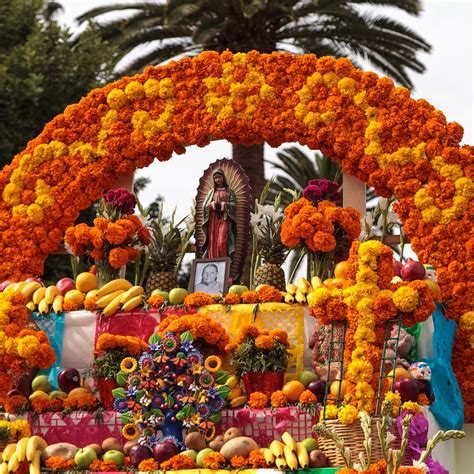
{"x": 447, "y": 84}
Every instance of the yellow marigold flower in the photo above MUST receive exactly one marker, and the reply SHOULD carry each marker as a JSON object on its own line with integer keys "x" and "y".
{"x": 396, "y": 400}
{"x": 451, "y": 172}
{"x": 373, "y": 148}
{"x": 364, "y": 335}
{"x": 359, "y": 371}
{"x": 328, "y": 413}
{"x": 357, "y": 353}
{"x": 11, "y": 346}
{"x": 364, "y": 391}
{"x": 12, "y": 194}
{"x": 166, "y": 88}
{"x": 20, "y": 210}
{"x": 312, "y": 119}
{"x": 364, "y": 306}
{"x": 366, "y": 275}
{"x": 330, "y": 79}
{"x": 27, "y": 346}
{"x": 45, "y": 200}
{"x": 347, "y": 86}
{"x": 128, "y": 365}
{"x": 467, "y": 321}
{"x": 348, "y": 414}
{"x": 406, "y": 299}
{"x": 35, "y": 213}
{"x": 43, "y": 153}
{"x": 58, "y": 148}
{"x": 135, "y": 90}
{"x": 267, "y": 92}
{"x": 117, "y": 99}
{"x": 140, "y": 118}
{"x": 412, "y": 407}
{"x": 319, "y": 296}
{"x": 431, "y": 214}
{"x": 109, "y": 118}
{"x": 152, "y": 88}
{"x": 360, "y": 99}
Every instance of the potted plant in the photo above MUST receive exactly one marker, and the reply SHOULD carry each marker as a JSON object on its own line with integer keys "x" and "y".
{"x": 110, "y": 350}
{"x": 260, "y": 358}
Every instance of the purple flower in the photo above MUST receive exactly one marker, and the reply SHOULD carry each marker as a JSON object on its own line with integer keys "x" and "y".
{"x": 312, "y": 192}
{"x": 320, "y": 189}
{"x": 120, "y": 199}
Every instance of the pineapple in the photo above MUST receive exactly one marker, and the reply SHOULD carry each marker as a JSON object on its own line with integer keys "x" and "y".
{"x": 162, "y": 254}
{"x": 273, "y": 254}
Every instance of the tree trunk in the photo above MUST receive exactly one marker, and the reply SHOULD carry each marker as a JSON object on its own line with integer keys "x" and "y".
{"x": 251, "y": 160}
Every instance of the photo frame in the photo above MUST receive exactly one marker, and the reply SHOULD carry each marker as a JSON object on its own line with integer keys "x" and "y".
{"x": 210, "y": 275}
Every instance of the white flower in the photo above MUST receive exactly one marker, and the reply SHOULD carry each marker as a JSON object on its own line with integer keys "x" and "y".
{"x": 189, "y": 222}
{"x": 68, "y": 248}
{"x": 389, "y": 439}
{"x": 255, "y": 220}
{"x": 357, "y": 466}
{"x": 420, "y": 465}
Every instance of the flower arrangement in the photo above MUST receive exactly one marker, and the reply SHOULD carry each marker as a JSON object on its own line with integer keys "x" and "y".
{"x": 320, "y": 228}
{"x": 20, "y": 347}
{"x": 202, "y": 328}
{"x": 114, "y": 239}
{"x": 398, "y": 145}
{"x": 167, "y": 387}
{"x": 260, "y": 351}
{"x": 367, "y": 304}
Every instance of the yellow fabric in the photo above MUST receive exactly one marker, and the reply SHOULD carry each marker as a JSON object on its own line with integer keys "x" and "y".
{"x": 270, "y": 316}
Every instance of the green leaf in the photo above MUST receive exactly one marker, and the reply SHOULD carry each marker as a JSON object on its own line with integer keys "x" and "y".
{"x": 221, "y": 376}
{"x": 121, "y": 378}
{"x": 170, "y": 401}
{"x": 224, "y": 391}
{"x": 119, "y": 393}
{"x": 139, "y": 395}
{"x": 154, "y": 338}
{"x": 157, "y": 412}
{"x": 186, "y": 336}
{"x": 125, "y": 418}
{"x": 215, "y": 417}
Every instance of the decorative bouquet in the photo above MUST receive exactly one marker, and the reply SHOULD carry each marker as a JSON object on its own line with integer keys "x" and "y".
{"x": 169, "y": 387}
{"x": 116, "y": 237}
{"x": 260, "y": 357}
{"x": 321, "y": 228}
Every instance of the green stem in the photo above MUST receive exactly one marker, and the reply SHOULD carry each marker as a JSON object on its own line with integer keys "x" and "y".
{"x": 302, "y": 254}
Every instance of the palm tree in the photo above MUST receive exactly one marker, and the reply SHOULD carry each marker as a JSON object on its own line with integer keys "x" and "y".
{"x": 338, "y": 28}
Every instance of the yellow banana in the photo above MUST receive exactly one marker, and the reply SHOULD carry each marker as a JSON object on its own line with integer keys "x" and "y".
{"x": 10, "y": 287}
{"x": 30, "y": 288}
{"x": 38, "y": 295}
{"x": 4, "y": 468}
{"x": 132, "y": 293}
{"x": 267, "y": 454}
{"x": 103, "y": 301}
{"x": 232, "y": 382}
{"x": 51, "y": 292}
{"x": 114, "y": 285}
{"x": 290, "y": 458}
{"x": 303, "y": 284}
{"x": 35, "y": 466}
{"x": 316, "y": 282}
{"x": 234, "y": 393}
{"x": 21, "y": 448}
{"x": 58, "y": 303}
{"x": 302, "y": 455}
{"x": 35, "y": 443}
{"x": 19, "y": 286}
{"x": 43, "y": 306}
{"x": 238, "y": 402}
{"x": 13, "y": 463}
{"x": 289, "y": 298}
{"x": 280, "y": 463}
{"x": 300, "y": 297}
{"x": 8, "y": 451}
{"x": 31, "y": 306}
{"x": 291, "y": 289}
{"x": 133, "y": 303}
{"x": 289, "y": 440}
{"x": 113, "y": 306}
{"x": 276, "y": 447}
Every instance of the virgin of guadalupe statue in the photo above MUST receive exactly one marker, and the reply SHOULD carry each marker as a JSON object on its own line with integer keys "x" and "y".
{"x": 223, "y": 214}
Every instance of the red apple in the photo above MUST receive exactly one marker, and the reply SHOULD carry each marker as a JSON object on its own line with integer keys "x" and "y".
{"x": 413, "y": 270}
{"x": 138, "y": 453}
{"x": 318, "y": 387}
{"x": 397, "y": 267}
{"x": 69, "y": 379}
{"x": 37, "y": 279}
{"x": 65, "y": 284}
{"x": 408, "y": 388}
{"x": 162, "y": 451}
{"x": 23, "y": 384}
{"x": 4, "y": 284}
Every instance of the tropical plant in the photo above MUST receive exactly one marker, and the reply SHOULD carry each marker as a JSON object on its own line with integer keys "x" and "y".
{"x": 339, "y": 28}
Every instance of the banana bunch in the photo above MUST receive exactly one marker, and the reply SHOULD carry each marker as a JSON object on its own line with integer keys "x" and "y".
{"x": 298, "y": 293}
{"x": 119, "y": 295}
{"x": 287, "y": 454}
{"x": 236, "y": 397}
{"x": 26, "y": 449}
{"x": 48, "y": 299}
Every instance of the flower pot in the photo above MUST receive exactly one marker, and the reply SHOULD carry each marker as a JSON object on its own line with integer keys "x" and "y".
{"x": 266, "y": 382}
{"x": 105, "y": 387}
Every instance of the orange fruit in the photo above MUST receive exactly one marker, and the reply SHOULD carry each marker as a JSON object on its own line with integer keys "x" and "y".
{"x": 400, "y": 373}
{"x": 334, "y": 389}
{"x": 435, "y": 289}
{"x": 293, "y": 390}
{"x": 341, "y": 270}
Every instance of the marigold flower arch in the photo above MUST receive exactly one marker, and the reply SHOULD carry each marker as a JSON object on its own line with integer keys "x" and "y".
{"x": 396, "y": 144}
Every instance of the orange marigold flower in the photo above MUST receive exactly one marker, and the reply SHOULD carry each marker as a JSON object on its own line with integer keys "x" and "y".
{"x": 148, "y": 465}
{"x": 264, "y": 342}
{"x": 268, "y": 294}
{"x": 307, "y": 398}
{"x": 155, "y": 301}
{"x": 280, "y": 335}
{"x": 89, "y": 303}
{"x": 70, "y": 306}
{"x": 250, "y": 297}
{"x": 258, "y": 400}
{"x": 231, "y": 347}
{"x": 232, "y": 298}
{"x": 40, "y": 405}
{"x": 178, "y": 463}
{"x": 238, "y": 461}
{"x": 213, "y": 461}
{"x": 278, "y": 399}
{"x": 115, "y": 234}
{"x": 247, "y": 331}
{"x": 58, "y": 463}
{"x": 257, "y": 459}
{"x": 103, "y": 466}
{"x": 118, "y": 257}
{"x": 198, "y": 299}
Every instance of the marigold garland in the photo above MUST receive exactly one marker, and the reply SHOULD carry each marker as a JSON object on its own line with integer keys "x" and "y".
{"x": 398, "y": 145}
{"x": 57, "y": 463}
{"x": 110, "y": 342}
{"x": 103, "y": 466}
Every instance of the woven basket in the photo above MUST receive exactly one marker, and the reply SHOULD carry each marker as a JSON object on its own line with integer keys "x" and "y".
{"x": 353, "y": 437}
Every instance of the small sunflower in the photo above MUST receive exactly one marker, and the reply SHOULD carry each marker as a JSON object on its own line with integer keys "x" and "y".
{"x": 213, "y": 363}
{"x": 128, "y": 365}
{"x": 130, "y": 431}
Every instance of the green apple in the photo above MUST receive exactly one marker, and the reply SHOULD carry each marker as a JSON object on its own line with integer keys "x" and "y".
{"x": 201, "y": 454}
{"x": 84, "y": 457}
{"x": 57, "y": 394}
{"x": 113, "y": 455}
{"x": 177, "y": 296}
{"x": 238, "y": 289}
{"x": 190, "y": 453}
{"x": 306, "y": 377}
{"x": 164, "y": 294}
{"x": 41, "y": 382}
{"x": 310, "y": 444}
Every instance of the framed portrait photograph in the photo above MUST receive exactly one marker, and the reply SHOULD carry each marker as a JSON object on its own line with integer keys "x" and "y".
{"x": 210, "y": 275}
